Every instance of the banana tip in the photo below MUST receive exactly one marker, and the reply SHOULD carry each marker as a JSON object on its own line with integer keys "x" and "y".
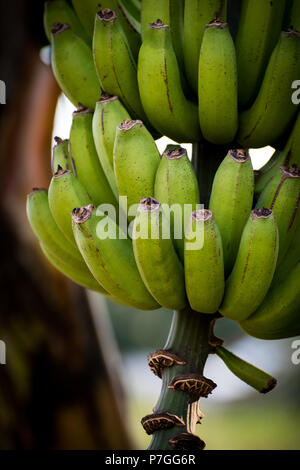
{"x": 82, "y": 214}
{"x": 173, "y": 154}
{"x": 106, "y": 14}
{"x": 271, "y": 384}
{"x": 239, "y": 155}
{"x": 58, "y": 28}
{"x": 149, "y": 204}
{"x": 128, "y": 124}
{"x": 158, "y": 24}
{"x": 202, "y": 215}
{"x": 262, "y": 213}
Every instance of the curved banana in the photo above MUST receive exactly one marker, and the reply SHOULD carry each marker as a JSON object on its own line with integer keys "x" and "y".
{"x": 259, "y": 28}
{"x": 295, "y": 15}
{"x": 282, "y": 195}
{"x": 110, "y": 258}
{"x": 254, "y": 268}
{"x": 136, "y": 159}
{"x": 203, "y": 263}
{"x": 65, "y": 257}
{"x": 278, "y": 316}
{"x": 291, "y": 257}
{"x": 273, "y": 110}
{"x": 132, "y": 11}
{"x": 60, "y": 155}
{"x": 170, "y": 12}
{"x": 152, "y": 246}
{"x": 231, "y": 201}
{"x": 176, "y": 185}
{"x": 73, "y": 66}
{"x": 289, "y": 156}
{"x": 86, "y": 10}
{"x": 114, "y": 62}
{"x": 217, "y": 84}
{"x": 247, "y": 372}
{"x": 59, "y": 11}
{"x": 85, "y": 159}
{"x": 109, "y": 113}
{"x": 65, "y": 193}
{"x": 197, "y": 14}
{"x": 161, "y": 93}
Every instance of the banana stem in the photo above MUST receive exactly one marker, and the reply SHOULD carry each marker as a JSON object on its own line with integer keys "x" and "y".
{"x": 189, "y": 341}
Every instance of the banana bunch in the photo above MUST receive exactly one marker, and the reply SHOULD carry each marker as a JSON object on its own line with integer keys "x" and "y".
{"x": 120, "y": 218}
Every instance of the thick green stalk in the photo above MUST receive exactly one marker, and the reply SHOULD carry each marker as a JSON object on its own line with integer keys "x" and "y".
{"x": 184, "y": 356}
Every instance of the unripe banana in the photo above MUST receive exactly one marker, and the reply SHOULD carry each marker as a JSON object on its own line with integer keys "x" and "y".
{"x": 155, "y": 255}
{"x": 73, "y": 66}
{"x": 197, "y": 14}
{"x": 295, "y": 15}
{"x": 86, "y": 10}
{"x": 289, "y": 156}
{"x": 278, "y": 315}
{"x": 132, "y": 10}
{"x": 109, "y": 113}
{"x": 65, "y": 257}
{"x": 254, "y": 268}
{"x": 282, "y": 195}
{"x": 161, "y": 93}
{"x": 114, "y": 62}
{"x": 231, "y": 201}
{"x": 291, "y": 258}
{"x": 85, "y": 159}
{"x": 217, "y": 85}
{"x": 259, "y": 28}
{"x": 59, "y": 11}
{"x": 273, "y": 110}
{"x": 110, "y": 259}
{"x": 176, "y": 185}
{"x": 65, "y": 193}
{"x": 170, "y": 12}
{"x": 81, "y": 276}
{"x": 203, "y": 263}
{"x": 136, "y": 159}
{"x": 245, "y": 371}
{"x": 60, "y": 155}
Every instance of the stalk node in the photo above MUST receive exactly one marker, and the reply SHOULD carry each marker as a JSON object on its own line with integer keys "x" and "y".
{"x": 160, "y": 420}
{"x": 195, "y": 385}
{"x": 186, "y": 441}
{"x": 162, "y": 358}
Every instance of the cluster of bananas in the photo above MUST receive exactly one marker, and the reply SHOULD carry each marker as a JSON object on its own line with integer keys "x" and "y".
{"x": 150, "y": 72}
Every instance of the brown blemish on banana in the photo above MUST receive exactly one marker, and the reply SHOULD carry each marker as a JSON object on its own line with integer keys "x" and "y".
{"x": 160, "y": 420}
{"x": 202, "y": 215}
{"x": 106, "y": 98}
{"x": 239, "y": 155}
{"x": 61, "y": 172}
{"x": 106, "y": 14}
{"x": 187, "y": 442}
{"x": 194, "y": 384}
{"x": 160, "y": 359}
{"x": 58, "y": 28}
{"x": 261, "y": 213}
{"x": 158, "y": 24}
{"x": 173, "y": 154}
{"x": 128, "y": 124}
{"x": 82, "y": 214}
{"x": 58, "y": 140}
{"x": 217, "y": 23}
{"x": 149, "y": 204}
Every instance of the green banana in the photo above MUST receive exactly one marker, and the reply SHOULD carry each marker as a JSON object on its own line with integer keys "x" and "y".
{"x": 65, "y": 193}
{"x": 291, "y": 258}
{"x": 85, "y": 159}
{"x": 176, "y": 185}
{"x": 282, "y": 195}
{"x": 110, "y": 258}
{"x": 248, "y": 373}
{"x": 254, "y": 268}
{"x": 217, "y": 84}
{"x": 114, "y": 62}
{"x": 73, "y": 66}
{"x": 203, "y": 263}
{"x": 231, "y": 201}
{"x": 65, "y": 257}
{"x": 170, "y": 12}
{"x": 109, "y": 113}
{"x": 295, "y": 15}
{"x": 278, "y": 316}
{"x": 61, "y": 156}
{"x": 87, "y": 10}
{"x": 259, "y": 28}
{"x": 273, "y": 110}
{"x": 163, "y": 100}
{"x": 136, "y": 159}
{"x": 59, "y": 11}
{"x": 132, "y": 10}
{"x": 197, "y": 14}
{"x": 81, "y": 276}
{"x": 289, "y": 156}
{"x": 152, "y": 246}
